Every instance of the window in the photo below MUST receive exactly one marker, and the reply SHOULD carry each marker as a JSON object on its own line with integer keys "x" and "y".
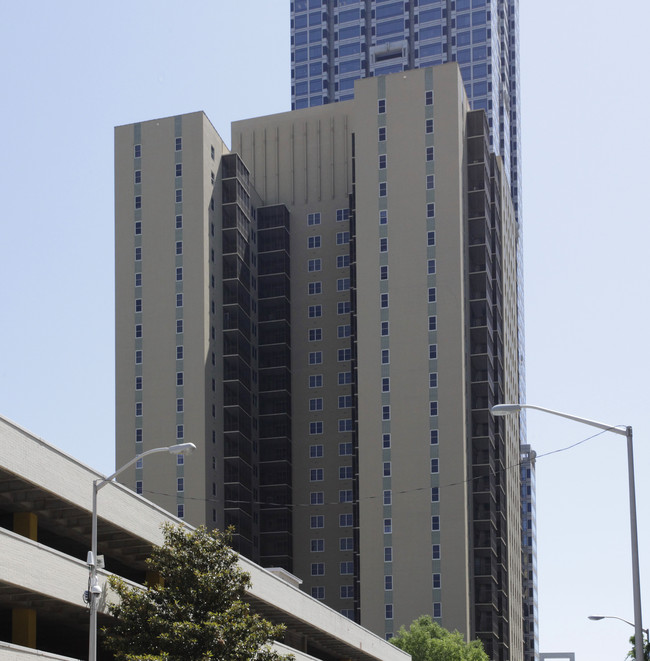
{"x": 381, "y": 106}
{"x": 342, "y": 261}
{"x": 138, "y": 435}
{"x": 315, "y": 288}
{"x": 428, "y": 97}
{"x": 345, "y": 496}
{"x": 435, "y": 523}
{"x": 383, "y": 273}
{"x": 138, "y": 305}
{"x": 212, "y": 152}
{"x": 345, "y": 449}
{"x": 345, "y": 425}
{"x": 385, "y": 441}
{"x": 431, "y": 266}
{"x": 179, "y": 325}
{"x": 179, "y": 222}
{"x": 314, "y": 265}
{"x": 428, "y": 126}
{"x": 385, "y": 328}
{"x": 317, "y": 545}
{"x": 180, "y": 484}
{"x": 138, "y": 357}
{"x": 137, "y": 151}
{"x": 385, "y": 384}
{"x": 346, "y": 568}
{"x": 435, "y": 465}
{"x": 315, "y": 311}
{"x": 344, "y": 378}
{"x": 388, "y": 582}
{"x": 179, "y": 378}
{"x": 388, "y": 497}
{"x": 433, "y": 380}
{"x": 432, "y": 294}
{"x": 315, "y": 380}
{"x": 138, "y": 228}
{"x": 179, "y": 170}
{"x": 137, "y": 177}
{"x": 387, "y": 468}
{"x": 180, "y": 431}
{"x": 382, "y": 161}
{"x": 383, "y": 300}
{"x": 313, "y": 219}
{"x": 429, "y": 153}
{"x": 317, "y": 568}
{"x": 179, "y": 300}
{"x": 138, "y": 202}
{"x": 385, "y": 356}
{"x": 388, "y": 553}
{"x": 347, "y": 592}
{"x": 179, "y": 144}
{"x": 138, "y": 487}
{"x": 345, "y": 520}
{"x": 342, "y": 214}
{"x": 316, "y": 474}
{"x": 342, "y": 238}
{"x": 433, "y": 437}
{"x": 389, "y": 611}
{"x": 180, "y": 405}
{"x": 316, "y": 498}
{"x": 433, "y": 323}
{"x": 138, "y": 409}
{"x": 317, "y": 521}
{"x": 343, "y": 307}
{"x": 315, "y": 451}
{"x": 343, "y": 284}
{"x": 180, "y": 511}
{"x": 345, "y": 401}
{"x": 344, "y": 354}
{"x": 381, "y": 134}
{"x": 315, "y": 357}
{"x": 179, "y": 195}
{"x": 431, "y": 210}
{"x": 316, "y": 404}
{"x": 179, "y": 352}
{"x": 433, "y": 351}
{"x": 313, "y": 242}
{"x": 433, "y": 408}
{"x": 179, "y": 247}
{"x": 430, "y": 182}
{"x": 345, "y": 472}
{"x": 179, "y": 273}
{"x": 346, "y": 544}
{"x": 318, "y": 592}
{"x": 316, "y": 427}
{"x": 138, "y": 383}
{"x": 383, "y": 245}
{"x": 435, "y": 494}
{"x": 315, "y": 334}
{"x": 343, "y": 331}
{"x": 383, "y": 217}
{"x": 388, "y": 526}
{"x": 383, "y": 186}
{"x": 437, "y": 609}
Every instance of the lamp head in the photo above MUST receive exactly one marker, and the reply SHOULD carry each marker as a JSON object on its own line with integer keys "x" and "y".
{"x": 181, "y": 448}
{"x": 596, "y": 617}
{"x": 505, "y": 409}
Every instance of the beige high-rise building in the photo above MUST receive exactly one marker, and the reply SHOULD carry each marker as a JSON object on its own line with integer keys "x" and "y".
{"x": 328, "y": 312}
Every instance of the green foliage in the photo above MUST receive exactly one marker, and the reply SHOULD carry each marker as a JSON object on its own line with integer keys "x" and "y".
{"x": 425, "y": 640}
{"x": 646, "y": 649}
{"x": 196, "y": 612}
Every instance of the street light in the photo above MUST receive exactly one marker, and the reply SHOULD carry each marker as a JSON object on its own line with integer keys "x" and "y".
{"x": 94, "y": 590}
{"x": 506, "y": 409}
{"x": 614, "y": 617}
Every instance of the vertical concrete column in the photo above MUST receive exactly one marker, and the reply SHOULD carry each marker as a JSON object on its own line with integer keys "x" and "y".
{"x": 23, "y": 627}
{"x": 26, "y": 524}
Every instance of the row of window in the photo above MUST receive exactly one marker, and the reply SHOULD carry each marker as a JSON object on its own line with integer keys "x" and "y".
{"x": 341, "y": 215}
{"x": 342, "y": 332}
{"x": 316, "y": 380}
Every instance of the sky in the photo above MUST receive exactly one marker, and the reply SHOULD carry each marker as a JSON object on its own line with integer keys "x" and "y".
{"x": 73, "y": 70}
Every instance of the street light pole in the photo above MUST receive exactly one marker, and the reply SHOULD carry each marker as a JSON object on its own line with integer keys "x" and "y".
{"x": 615, "y": 617}
{"x": 506, "y": 409}
{"x": 94, "y": 590}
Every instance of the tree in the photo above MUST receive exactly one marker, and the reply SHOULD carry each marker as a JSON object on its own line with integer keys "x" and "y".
{"x": 196, "y": 611}
{"x": 646, "y": 649}
{"x": 425, "y": 640}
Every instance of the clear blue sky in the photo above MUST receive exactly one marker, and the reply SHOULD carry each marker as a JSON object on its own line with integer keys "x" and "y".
{"x": 73, "y": 70}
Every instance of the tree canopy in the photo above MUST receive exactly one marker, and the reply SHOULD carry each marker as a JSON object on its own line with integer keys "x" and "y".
{"x": 196, "y": 611}
{"x": 425, "y": 640}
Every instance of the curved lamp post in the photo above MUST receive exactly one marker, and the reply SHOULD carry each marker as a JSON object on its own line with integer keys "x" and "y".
{"x": 507, "y": 409}
{"x": 94, "y": 590}
{"x": 615, "y": 617}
